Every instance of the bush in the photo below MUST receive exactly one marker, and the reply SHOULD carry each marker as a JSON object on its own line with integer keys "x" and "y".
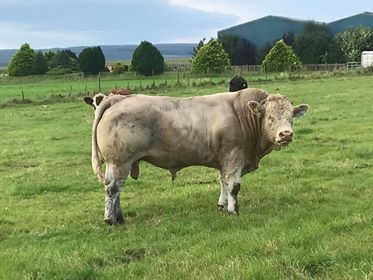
{"x": 91, "y": 60}
{"x": 211, "y": 58}
{"x": 147, "y": 60}
{"x": 62, "y": 59}
{"x": 280, "y": 58}
{"x": 119, "y": 68}
{"x": 22, "y": 61}
{"x": 59, "y": 71}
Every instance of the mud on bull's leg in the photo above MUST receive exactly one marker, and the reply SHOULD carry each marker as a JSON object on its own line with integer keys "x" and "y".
{"x": 113, "y": 212}
{"x": 223, "y": 199}
{"x": 231, "y": 183}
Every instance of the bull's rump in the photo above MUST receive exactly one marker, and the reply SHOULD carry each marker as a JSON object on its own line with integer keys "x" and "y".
{"x": 168, "y": 132}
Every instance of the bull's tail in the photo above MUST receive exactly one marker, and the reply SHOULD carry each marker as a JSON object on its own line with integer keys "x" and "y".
{"x": 96, "y": 159}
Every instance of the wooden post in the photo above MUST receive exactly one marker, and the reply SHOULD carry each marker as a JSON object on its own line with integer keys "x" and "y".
{"x": 71, "y": 89}
{"x": 99, "y": 82}
{"x": 85, "y": 90}
{"x": 23, "y": 97}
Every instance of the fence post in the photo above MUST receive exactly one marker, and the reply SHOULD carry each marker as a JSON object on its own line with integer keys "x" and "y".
{"x": 23, "y": 97}
{"x": 99, "y": 82}
{"x": 71, "y": 89}
{"x": 85, "y": 90}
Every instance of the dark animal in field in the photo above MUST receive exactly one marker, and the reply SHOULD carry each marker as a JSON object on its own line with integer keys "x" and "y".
{"x": 97, "y": 99}
{"x": 121, "y": 91}
{"x": 230, "y": 132}
{"x": 237, "y": 83}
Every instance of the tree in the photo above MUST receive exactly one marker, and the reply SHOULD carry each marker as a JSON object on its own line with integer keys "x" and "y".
{"x": 280, "y": 58}
{"x": 147, "y": 59}
{"x": 354, "y": 41}
{"x": 22, "y": 61}
{"x": 211, "y": 58}
{"x": 262, "y": 53}
{"x": 39, "y": 65}
{"x": 289, "y": 38}
{"x": 240, "y": 51}
{"x": 91, "y": 60}
{"x": 316, "y": 45}
{"x": 65, "y": 59}
{"x": 196, "y": 49}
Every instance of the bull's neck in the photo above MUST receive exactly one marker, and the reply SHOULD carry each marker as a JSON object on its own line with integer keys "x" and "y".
{"x": 257, "y": 144}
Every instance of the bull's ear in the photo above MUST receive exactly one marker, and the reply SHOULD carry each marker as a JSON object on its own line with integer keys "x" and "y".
{"x": 256, "y": 108}
{"x": 98, "y": 100}
{"x": 300, "y": 110}
{"x": 88, "y": 100}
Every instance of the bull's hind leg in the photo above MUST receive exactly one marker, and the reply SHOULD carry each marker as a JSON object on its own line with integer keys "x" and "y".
{"x": 114, "y": 178}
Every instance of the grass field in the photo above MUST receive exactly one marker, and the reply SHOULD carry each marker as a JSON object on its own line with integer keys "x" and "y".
{"x": 306, "y": 213}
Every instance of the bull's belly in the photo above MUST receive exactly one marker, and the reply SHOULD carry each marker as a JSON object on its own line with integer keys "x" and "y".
{"x": 177, "y": 161}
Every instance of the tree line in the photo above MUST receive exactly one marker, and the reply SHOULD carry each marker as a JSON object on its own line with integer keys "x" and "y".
{"x": 146, "y": 60}
{"x": 314, "y": 45}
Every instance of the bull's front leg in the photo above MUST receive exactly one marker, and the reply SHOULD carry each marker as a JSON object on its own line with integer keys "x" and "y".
{"x": 230, "y": 180}
{"x": 223, "y": 199}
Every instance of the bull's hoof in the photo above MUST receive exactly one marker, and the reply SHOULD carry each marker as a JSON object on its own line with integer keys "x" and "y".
{"x": 120, "y": 219}
{"x": 233, "y": 213}
{"x": 108, "y": 221}
{"x": 221, "y": 207}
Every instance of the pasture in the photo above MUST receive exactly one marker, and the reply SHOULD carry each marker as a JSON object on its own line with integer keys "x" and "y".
{"x": 306, "y": 213}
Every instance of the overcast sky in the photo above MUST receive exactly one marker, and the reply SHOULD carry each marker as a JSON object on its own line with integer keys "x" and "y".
{"x": 56, "y": 23}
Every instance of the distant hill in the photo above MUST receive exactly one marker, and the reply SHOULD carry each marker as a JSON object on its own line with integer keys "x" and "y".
{"x": 117, "y": 52}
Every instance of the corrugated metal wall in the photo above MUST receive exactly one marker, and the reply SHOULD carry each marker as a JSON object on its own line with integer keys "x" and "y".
{"x": 271, "y": 28}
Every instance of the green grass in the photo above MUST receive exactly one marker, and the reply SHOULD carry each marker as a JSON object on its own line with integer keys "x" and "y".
{"x": 306, "y": 213}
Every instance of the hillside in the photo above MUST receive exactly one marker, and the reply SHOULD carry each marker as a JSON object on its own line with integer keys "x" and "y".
{"x": 117, "y": 52}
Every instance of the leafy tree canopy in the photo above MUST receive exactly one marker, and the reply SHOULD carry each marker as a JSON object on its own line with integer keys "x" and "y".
{"x": 22, "y": 61}
{"x": 240, "y": 51}
{"x": 211, "y": 58}
{"x": 91, "y": 60}
{"x": 354, "y": 41}
{"x": 39, "y": 65}
{"x": 147, "y": 59}
{"x": 280, "y": 58}
{"x": 316, "y": 45}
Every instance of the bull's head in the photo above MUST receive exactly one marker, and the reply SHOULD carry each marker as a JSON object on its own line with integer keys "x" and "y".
{"x": 277, "y": 115}
{"x": 95, "y": 101}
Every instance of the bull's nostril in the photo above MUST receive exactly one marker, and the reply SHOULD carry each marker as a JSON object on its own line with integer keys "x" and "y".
{"x": 281, "y": 135}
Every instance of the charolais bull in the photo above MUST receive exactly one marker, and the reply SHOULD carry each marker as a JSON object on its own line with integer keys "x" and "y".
{"x": 230, "y": 132}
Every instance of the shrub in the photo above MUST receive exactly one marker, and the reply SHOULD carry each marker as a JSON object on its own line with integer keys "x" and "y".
{"x": 22, "y": 61}
{"x": 119, "y": 68}
{"x": 211, "y": 58}
{"x": 62, "y": 59}
{"x": 91, "y": 60}
{"x": 59, "y": 71}
{"x": 280, "y": 58}
{"x": 147, "y": 60}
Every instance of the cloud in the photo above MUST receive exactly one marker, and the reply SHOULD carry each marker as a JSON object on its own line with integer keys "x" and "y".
{"x": 238, "y": 8}
{"x": 83, "y": 22}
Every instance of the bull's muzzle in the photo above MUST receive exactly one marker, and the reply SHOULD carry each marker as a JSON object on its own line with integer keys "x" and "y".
{"x": 284, "y": 137}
